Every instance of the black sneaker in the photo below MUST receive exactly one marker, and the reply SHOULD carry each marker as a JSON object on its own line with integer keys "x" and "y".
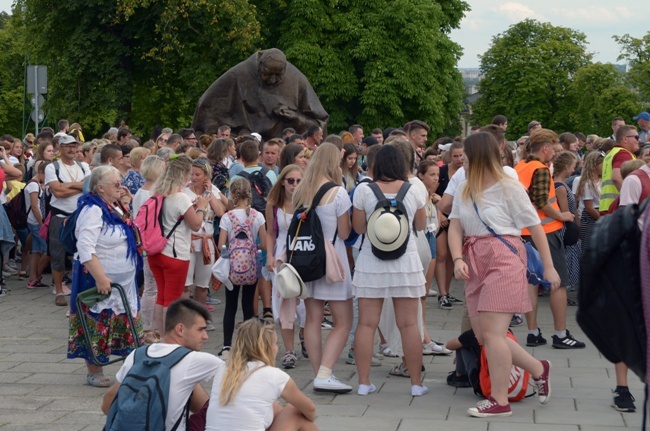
{"x": 567, "y": 342}
{"x": 444, "y": 303}
{"x": 623, "y": 400}
{"x": 454, "y": 300}
{"x": 458, "y": 381}
{"x": 535, "y": 340}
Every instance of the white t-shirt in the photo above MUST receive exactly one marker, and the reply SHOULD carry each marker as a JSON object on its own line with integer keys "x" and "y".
{"x": 252, "y": 408}
{"x": 194, "y": 368}
{"x": 174, "y": 207}
{"x": 460, "y": 176}
{"x": 505, "y": 207}
{"x": 31, "y": 187}
{"x": 68, "y": 174}
{"x": 207, "y": 227}
{"x": 140, "y": 197}
{"x": 588, "y": 195}
{"x": 632, "y": 188}
{"x": 241, "y": 215}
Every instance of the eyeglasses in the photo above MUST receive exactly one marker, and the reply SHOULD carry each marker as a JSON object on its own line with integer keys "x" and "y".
{"x": 293, "y": 181}
{"x": 117, "y": 185}
{"x": 633, "y": 136}
{"x": 191, "y": 138}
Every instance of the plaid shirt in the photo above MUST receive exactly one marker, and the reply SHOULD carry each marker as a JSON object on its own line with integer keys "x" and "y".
{"x": 540, "y": 185}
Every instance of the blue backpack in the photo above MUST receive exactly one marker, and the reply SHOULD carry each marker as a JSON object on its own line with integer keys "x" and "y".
{"x": 142, "y": 399}
{"x": 66, "y": 234}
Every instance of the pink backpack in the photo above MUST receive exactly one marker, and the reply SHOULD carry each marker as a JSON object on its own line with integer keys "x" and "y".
{"x": 149, "y": 222}
{"x": 242, "y": 250}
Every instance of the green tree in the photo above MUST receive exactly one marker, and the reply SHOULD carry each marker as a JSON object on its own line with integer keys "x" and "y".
{"x": 636, "y": 51}
{"x": 596, "y": 95}
{"x": 379, "y": 65}
{"x": 526, "y": 74}
{"x": 141, "y": 61}
{"x": 12, "y": 62}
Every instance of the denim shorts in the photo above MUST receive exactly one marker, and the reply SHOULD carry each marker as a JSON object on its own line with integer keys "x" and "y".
{"x": 432, "y": 243}
{"x": 39, "y": 245}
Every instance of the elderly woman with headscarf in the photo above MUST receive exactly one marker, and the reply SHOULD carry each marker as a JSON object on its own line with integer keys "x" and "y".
{"x": 107, "y": 252}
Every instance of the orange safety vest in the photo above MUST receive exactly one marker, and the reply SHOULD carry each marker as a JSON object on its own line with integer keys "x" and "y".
{"x": 525, "y": 171}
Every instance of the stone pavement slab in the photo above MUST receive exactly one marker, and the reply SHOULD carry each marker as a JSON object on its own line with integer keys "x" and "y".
{"x": 42, "y": 390}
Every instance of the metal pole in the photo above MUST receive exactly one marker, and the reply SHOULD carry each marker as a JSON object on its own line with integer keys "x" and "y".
{"x": 36, "y": 97}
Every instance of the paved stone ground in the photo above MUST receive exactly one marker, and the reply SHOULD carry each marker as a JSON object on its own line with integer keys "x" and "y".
{"x": 42, "y": 390}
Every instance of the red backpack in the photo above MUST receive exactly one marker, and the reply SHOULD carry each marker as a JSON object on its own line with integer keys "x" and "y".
{"x": 519, "y": 378}
{"x": 149, "y": 222}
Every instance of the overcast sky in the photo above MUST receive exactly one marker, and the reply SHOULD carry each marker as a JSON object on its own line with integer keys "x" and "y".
{"x": 598, "y": 19}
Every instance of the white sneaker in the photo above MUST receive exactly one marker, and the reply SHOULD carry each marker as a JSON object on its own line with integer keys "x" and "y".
{"x": 434, "y": 348}
{"x": 224, "y": 354}
{"x": 209, "y": 326}
{"x": 331, "y": 384}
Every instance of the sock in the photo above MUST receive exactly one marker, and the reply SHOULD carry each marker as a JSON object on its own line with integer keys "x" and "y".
{"x": 323, "y": 372}
{"x": 270, "y": 310}
{"x": 561, "y": 334}
{"x": 618, "y": 388}
{"x": 534, "y": 332}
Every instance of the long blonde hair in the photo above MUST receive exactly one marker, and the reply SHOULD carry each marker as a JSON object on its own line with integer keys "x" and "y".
{"x": 324, "y": 164}
{"x": 173, "y": 178}
{"x": 254, "y": 342}
{"x": 240, "y": 191}
{"x": 484, "y": 159}
{"x": 277, "y": 195}
{"x": 589, "y": 177}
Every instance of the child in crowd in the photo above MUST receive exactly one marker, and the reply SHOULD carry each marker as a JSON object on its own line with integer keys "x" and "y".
{"x": 588, "y": 194}
{"x": 244, "y": 393}
{"x": 242, "y": 225}
{"x": 279, "y": 211}
{"x": 34, "y": 195}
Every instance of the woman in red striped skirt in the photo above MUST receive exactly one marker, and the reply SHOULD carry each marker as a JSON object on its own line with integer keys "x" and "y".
{"x": 495, "y": 277}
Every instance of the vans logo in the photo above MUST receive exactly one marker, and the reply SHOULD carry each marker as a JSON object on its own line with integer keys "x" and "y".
{"x": 302, "y": 243}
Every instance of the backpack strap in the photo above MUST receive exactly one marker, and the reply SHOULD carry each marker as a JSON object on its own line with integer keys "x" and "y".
{"x": 401, "y": 194}
{"x": 321, "y": 192}
{"x": 57, "y": 167}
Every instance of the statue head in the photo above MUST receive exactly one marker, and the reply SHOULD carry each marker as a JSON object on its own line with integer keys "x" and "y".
{"x": 272, "y": 65}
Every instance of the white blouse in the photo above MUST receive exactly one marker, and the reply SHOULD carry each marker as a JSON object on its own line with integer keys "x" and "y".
{"x": 109, "y": 244}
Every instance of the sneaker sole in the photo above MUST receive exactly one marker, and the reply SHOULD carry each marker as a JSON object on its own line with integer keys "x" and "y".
{"x": 332, "y": 391}
{"x": 624, "y": 410}
{"x": 565, "y": 347}
{"x": 536, "y": 344}
{"x": 478, "y": 414}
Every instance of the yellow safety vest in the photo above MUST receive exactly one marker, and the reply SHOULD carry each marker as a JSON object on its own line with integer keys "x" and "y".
{"x": 608, "y": 191}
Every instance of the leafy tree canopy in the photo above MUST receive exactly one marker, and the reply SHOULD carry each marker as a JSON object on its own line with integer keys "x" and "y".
{"x": 381, "y": 65}
{"x": 147, "y": 62}
{"x": 598, "y": 94}
{"x": 526, "y": 74}
{"x": 636, "y": 51}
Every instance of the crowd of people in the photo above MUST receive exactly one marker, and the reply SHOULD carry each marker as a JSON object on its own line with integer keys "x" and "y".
{"x": 470, "y": 205}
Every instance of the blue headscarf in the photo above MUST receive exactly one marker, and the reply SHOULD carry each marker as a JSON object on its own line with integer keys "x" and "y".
{"x": 113, "y": 219}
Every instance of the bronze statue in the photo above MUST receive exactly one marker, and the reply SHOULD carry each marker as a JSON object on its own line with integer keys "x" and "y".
{"x": 263, "y": 94}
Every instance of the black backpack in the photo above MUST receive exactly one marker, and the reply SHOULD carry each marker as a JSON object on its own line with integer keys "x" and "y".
{"x": 17, "y": 211}
{"x": 610, "y": 310}
{"x": 260, "y": 188}
{"x": 397, "y": 208}
{"x": 305, "y": 240}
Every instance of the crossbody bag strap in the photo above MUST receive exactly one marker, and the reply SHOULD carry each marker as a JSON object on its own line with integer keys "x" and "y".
{"x": 510, "y": 246}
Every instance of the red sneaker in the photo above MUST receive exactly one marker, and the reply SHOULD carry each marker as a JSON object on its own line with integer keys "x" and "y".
{"x": 489, "y": 408}
{"x": 544, "y": 383}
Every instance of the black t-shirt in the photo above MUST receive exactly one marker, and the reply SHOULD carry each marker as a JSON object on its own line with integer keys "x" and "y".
{"x": 443, "y": 181}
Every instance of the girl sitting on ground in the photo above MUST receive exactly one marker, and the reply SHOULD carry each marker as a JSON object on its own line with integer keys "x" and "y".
{"x": 244, "y": 393}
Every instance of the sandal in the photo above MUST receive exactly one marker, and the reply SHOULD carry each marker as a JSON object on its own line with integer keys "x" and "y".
{"x": 98, "y": 380}
{"x": 60, "y": 300}
{"x": 399, "y": 371}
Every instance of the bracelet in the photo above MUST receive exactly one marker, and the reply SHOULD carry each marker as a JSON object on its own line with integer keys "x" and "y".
{"x": 457, "y": 259}
{"x": 200, "y": 211}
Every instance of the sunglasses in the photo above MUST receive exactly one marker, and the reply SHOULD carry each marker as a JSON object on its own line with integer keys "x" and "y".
{"x": 292, "y": 181}
{"x": 162, "y": 140}
{"x": 633, "y": 136}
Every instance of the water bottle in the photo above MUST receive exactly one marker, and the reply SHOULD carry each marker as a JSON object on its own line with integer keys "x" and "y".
{"x": 224, "y": 252}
